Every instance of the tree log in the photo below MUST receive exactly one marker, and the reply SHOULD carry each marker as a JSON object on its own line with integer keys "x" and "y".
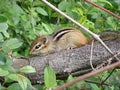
{"x": 75, "y": 61}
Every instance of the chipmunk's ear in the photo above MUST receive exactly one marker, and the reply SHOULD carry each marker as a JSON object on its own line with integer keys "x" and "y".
{"x": 44, "y": 40}
{"x": 40, "y": 34}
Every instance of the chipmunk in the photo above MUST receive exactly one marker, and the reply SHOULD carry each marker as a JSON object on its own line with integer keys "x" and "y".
{"x": 65, "y": 38}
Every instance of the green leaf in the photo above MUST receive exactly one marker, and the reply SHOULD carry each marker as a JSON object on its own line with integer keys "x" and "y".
{"x": 8, "y": 80}
{"x": 94, "y": 87}
{"x": 39, "y": 87}
{"x": 1, "y": 37}
{"x": 31, "y": 1}
{"x": 107, "y": 2}
{"x": 83, "y": 19}
{"x": 27, "y": 69}
{"x": 6, "y": 34}
{"x": 11, "y": 44}
{"x": 22, "y": 81}
{"x": 3, "y": 19}
{"x": 41, "y": 11}
{"x": 70, "y": 78}
{"x": 64, "y": 5}
{"x": 8, "y": 67}
{"x": 3, "y": 26}
{"x": 47, "y": 27}
{"x": 17, "y": 9}
{"x": 3, "y": 72}
{"x": 5, "y": 60}
{"x": 80, "y": 11}
{"x": 12, "y": 77}
{"x": 2, "y": 87}
{"x": 49, "y": 77}
{"x": 14, "y": 86}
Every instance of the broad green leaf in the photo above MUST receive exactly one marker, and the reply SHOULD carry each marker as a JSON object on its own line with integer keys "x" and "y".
{"x": 64, "y": 5}
{"x": 3, "y": 26}
{"x": 27, "y": 69}
{"x": 14, "y": 86}
{"x": 17, "y": 9}
{"x": 1, "y": 37}
{"x": 80, "y": 11}
{"x": 13, "y": 43}
{"x": 22, "y": 81}
{"x": 39, "y": 87}
{"x": 31, "y": 1}
{"x": 72, "y": 14}
{"x": 5, "y": 60}
{"x": 8, "y": 80}
{"x": 83, "y": 19}
{"x": 49, "y": 77}
{"x": 70, "y": 78}
{"x": 2, "y": 87}
{"x": 8, "y": 67}
{"x": 47, "y": 28}
{"x": 107, "y": 2}
{"x": 94, "y": 87}
{"x": 111, "y": 23}
{"x": 95, "y": 15}
{"x": 41, "y": 11}
{"x": 3, "y": 72}
{"x": 6, "y": 34}
{"x": 3, "y": 19}
{"x": 13, "y": 77}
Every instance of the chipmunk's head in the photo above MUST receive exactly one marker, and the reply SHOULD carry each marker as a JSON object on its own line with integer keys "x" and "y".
{"x": 38, "y": 44}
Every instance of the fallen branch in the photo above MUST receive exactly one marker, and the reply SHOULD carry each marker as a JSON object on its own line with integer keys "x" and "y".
{"x": 75, "y": 62}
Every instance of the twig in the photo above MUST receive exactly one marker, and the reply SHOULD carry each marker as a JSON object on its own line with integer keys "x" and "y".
{"x": 113, "y": 14}
{"x": 94, "y": 82}
{"x": 111, "y": 71}
{"x": 82, "y": 27}
{"x": 91, "y": 54}
{"x": 107, "y": 62}
{"x": 108, "y": 76}
{"x": 116, "y": 64}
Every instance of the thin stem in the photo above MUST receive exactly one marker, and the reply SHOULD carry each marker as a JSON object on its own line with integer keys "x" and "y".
{"x": 108, "y": 76}
{"x": 91, "y": 54}
{"x": 94, "y": 82}
{"x": 113, "y": 14}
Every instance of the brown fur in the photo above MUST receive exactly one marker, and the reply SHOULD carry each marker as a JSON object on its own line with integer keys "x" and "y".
{"x": 64, "y": 39}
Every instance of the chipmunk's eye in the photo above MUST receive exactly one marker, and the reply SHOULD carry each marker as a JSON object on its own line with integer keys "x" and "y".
{"x": 37, "y": 46}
